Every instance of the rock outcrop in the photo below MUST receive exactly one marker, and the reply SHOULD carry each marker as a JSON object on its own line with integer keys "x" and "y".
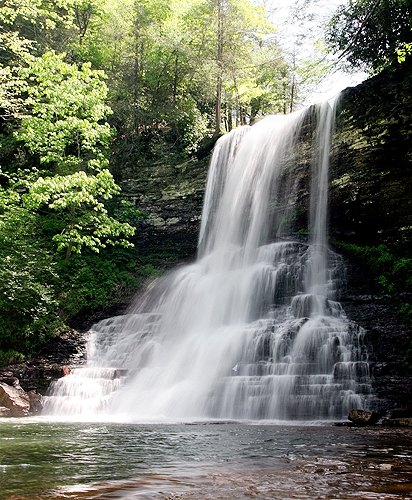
{"x": 171, "y": 197}
{"x": 371, "y": 167}
{"x": 397, "y": 422}
{"x": 23, "y": 386}
{"x": 363, "y": 417}
{"x": 14, "y": 399}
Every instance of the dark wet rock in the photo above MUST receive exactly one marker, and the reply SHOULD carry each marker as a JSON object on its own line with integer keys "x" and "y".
{"x": 171, "y": 196}
{"x": 9, "y": 379}
{"x": 370, "y": 172}
{"x": 397, "y": 422}
{"x": 399, "y": 413}
{"x": 385, "y": 336}
{"x": 370, "y": 205}
{"x": 36, "y": 402}
{"x": 344, "y": 424}
{"x": 363, "y": 417}
{"x": 398, "y": 417}
{"x": 36, "y": 374}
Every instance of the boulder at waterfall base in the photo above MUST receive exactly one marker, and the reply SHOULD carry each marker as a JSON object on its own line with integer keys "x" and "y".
{"x": 15, "y": 399}
{"x": 363, "y": 417}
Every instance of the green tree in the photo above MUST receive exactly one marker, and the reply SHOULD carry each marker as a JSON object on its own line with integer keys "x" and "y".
{"x": 65, "y": 111}
{"x": 371, "y": 33}
{"x": 28, "y": 305}
{"x": 83, "y": 218}
{"x": 55, "y": 24}
{"x": 165, "y": 71}
{"x": 54, "y": 182}
{"x": 235, "y": 39}
{"x": 65, "y": 129}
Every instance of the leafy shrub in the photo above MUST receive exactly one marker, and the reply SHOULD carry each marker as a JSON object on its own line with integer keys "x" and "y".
{"x": 89, "y": 282}
{"x": 40, "y": 293}
{"x": 10, "y": 357}
{"x": 27, "y": 297}
{"x": 394, "y": 273}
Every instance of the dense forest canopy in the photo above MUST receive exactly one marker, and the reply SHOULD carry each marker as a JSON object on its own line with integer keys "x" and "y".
{"x": 372, "y": 34}
{"x": 90, "y": 87}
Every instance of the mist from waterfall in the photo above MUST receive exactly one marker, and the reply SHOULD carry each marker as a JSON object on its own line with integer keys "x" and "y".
{"x": 252, "y": 329}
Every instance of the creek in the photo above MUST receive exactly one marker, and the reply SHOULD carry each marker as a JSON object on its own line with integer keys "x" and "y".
{"x": 205, "y": 460}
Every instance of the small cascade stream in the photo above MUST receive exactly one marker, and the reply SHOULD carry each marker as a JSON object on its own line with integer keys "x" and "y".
{"x": 253, "y": 329}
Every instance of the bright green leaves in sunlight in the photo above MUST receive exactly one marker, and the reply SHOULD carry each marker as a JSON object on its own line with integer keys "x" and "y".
{"x": 66, "y": 107}
{"x": 64, "y": 127}
{"x": 403, "y": 52}
{"x": 83, "y": 217}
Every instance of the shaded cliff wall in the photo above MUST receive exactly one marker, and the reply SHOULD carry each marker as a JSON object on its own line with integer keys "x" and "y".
{"x": 371, "y": 163}
{"x": 371, "y": 204}
{"x": 171, "y": 197}
{"x": 370, "y": 178}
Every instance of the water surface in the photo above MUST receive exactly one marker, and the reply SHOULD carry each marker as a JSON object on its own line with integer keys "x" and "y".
{"x": 94, "y": 460}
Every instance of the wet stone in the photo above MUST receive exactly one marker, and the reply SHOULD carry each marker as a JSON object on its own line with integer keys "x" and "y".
{"x": 399, "y": 413}
{"x": 363, "y": 417}
{"x": 9, "y": 379}
{"x": 36, "y": 402}
{"x": 397, "y": 422}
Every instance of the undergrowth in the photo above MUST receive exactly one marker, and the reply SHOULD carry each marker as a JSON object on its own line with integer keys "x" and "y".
{"x": 393, "y": 273}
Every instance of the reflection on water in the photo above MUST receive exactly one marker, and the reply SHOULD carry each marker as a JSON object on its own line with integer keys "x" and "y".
{"x": 41, "y": 459}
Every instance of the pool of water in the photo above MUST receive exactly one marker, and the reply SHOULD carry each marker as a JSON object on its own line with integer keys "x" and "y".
{"x": 42, "y": 459}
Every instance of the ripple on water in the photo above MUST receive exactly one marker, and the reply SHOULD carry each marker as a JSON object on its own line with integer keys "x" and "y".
{"x": 199, "y": 462}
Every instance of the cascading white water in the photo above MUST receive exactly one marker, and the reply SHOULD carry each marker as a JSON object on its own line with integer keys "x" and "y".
{"x": 252, "y": 329}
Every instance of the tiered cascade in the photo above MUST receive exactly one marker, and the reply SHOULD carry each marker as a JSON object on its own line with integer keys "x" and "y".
{"x": 252, "y": 329}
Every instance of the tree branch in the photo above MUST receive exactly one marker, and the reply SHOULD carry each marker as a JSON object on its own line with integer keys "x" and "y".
{"x": 374, "y": 7}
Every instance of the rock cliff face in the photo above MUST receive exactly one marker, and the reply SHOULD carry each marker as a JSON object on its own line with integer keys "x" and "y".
{"x": 371, "y": 204}
{"x": 370, "y": 176}
{"x": 371, "y": 162}
{"x": 387, "y": 336}
{"x": 171, "y": 197}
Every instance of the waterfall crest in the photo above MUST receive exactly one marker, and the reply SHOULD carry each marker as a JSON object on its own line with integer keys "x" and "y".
{"x": 252, "y": 329}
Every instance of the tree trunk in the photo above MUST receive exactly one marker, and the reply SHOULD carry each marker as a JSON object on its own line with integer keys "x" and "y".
{"x": 175, "y": 80}
{"x": 219, "y": 66}
{"x": 72, "y": 221}
{"x": 136, "y": 73}
{"x": 293, "y": 83}
{"x": 292, "y": 94}
{"x": 69, "y": 250}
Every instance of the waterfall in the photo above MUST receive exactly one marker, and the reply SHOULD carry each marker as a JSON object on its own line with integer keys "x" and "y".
{"x": 253, "y": 328}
